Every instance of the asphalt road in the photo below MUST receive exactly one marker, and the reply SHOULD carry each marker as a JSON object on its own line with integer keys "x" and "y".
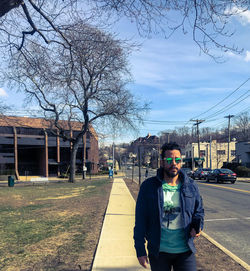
{"x": 227, "y": 213}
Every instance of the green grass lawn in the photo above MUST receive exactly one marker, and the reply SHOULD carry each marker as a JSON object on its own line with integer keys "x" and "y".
{"x": 50, "y": 227}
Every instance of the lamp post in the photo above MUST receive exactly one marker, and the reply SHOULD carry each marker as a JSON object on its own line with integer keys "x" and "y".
{"x": 228, "y": 146}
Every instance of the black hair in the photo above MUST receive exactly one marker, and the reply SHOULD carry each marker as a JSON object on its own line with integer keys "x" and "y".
{"x": 169, "y": 147}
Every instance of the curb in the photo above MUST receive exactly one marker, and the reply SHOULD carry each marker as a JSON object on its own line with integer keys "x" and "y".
{"x": 243, "y": 181}
{"x": 229, "y": 253}
{"x": 51, "y": 180}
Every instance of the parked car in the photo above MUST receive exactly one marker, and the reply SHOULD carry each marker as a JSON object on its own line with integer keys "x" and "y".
{"x": 201, "y": 173}
{"x": 222, "y": 175}
{"x": 188, "y": 171}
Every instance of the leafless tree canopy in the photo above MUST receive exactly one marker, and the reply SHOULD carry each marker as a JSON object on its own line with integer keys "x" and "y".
{"x": 29, "y": 21}
{"x": 207, "y": 21}
{"x": 242, "y": 123}
{"x": 89, "y": 79}
{"x": 83, "y": 84}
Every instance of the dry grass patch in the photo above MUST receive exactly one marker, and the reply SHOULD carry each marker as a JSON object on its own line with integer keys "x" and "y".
{"x": 51, "y": 227}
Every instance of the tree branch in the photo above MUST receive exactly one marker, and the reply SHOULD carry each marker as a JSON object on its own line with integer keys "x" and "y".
{"x": 34, "y": 28}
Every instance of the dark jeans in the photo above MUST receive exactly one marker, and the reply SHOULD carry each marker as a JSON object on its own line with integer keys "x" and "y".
{"x": 180, "y": 262}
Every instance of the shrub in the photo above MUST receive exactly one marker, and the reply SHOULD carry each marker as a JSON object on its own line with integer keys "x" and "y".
{"x": 242, "y": 171}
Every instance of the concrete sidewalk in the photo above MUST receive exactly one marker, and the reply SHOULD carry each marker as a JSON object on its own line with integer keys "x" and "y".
{"x": 115, "y": 249}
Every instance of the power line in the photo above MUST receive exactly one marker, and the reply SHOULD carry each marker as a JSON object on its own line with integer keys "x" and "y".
{"x": 230, "y": 105}
{"x": 198, "y": 134}
{"x": 223, "y": 98}
{"x": 160, "y": 121}
{"x": 219, "y": 124}
{"x": 224, "y": 121}
{"x": 243, "y": 110}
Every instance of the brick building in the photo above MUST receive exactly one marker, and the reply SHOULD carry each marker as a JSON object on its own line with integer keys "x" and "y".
{"x": 28, "y": 147}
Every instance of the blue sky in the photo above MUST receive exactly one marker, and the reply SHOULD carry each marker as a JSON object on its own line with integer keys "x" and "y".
{"x": 180, "y": 82}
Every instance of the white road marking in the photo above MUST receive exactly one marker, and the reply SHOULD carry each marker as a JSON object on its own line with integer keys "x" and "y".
{"x": 226, "y": 219}
{"x": 220, "y": 219}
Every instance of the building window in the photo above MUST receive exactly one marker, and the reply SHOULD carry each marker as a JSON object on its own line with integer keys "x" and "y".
{"x": 221, "y": 152}
{"x": 187, "y": 154}
{"x": 233, "y": 152}
{"x": 190, "y": 154}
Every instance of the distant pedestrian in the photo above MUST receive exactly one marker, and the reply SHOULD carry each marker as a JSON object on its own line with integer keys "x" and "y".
{"x": 169, "y": 214}
{"x": 110, "y": 173}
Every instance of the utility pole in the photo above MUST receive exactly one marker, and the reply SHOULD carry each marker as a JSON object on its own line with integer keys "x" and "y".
{"x": 198, "y": 134}
{"x": 228, "y": 146}
{"x": 210, "y": 148}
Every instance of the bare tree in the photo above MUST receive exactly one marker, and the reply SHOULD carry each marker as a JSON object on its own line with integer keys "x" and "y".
{"x": 3, "y": 108}
{"x": 84, "y": 84}
{"x": 206, "y": 133}
{"x": 242, "y": 123}
{"x": 207, "y": 21}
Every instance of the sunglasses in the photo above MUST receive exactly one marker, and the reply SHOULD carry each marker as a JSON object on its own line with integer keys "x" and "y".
{"x": 170, "y": 160}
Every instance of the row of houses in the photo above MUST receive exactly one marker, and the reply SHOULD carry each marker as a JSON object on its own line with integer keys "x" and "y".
{"x": 212, "y": 154}
{"x": 29, "y": 147}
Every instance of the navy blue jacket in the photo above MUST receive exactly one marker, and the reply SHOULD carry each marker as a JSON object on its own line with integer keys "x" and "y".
{"x": 149, "y": 212}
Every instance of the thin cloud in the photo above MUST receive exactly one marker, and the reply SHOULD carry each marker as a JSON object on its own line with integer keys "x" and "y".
{"x": 176, "y": 92}
{"x": 243, "y": 16}
{"x": 3, "y": 93}
{"x": 247, "y": 57}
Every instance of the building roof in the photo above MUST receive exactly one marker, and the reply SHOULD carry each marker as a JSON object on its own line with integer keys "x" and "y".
{"x": 149, "y": 139}
{"x": 40, "y": 123}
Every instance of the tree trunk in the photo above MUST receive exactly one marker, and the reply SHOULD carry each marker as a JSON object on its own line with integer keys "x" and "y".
{"x": 73, "y": 153}
{"x": 7, "y": 5}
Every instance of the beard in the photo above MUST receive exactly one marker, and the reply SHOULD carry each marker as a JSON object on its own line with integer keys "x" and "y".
{"x": 170, "y": 173}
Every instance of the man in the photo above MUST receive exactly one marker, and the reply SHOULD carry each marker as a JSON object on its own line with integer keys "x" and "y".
{"x": 169, "y": 215}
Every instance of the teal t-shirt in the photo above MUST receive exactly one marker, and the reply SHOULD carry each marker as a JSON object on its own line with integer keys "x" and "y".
{"x": 173, "y": 239}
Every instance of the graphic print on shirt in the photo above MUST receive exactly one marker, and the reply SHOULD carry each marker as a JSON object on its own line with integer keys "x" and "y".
{"x": 172, "y": 208}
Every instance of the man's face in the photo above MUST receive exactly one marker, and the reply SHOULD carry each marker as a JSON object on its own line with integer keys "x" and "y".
{"x": 171, "y": 168}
